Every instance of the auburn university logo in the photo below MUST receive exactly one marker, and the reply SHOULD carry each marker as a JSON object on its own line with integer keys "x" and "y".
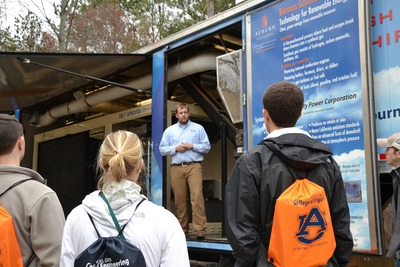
{"x": 264, "y": 21}
{"x": 312, "y": 226}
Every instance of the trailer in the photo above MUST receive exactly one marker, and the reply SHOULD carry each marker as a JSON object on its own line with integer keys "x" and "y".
{"x": 221, "y": 67}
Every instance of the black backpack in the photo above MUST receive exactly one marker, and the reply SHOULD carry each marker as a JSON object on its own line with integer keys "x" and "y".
{"x": 111, "y": 251}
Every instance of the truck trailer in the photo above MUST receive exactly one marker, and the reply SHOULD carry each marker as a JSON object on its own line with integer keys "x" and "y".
{"x": 341, "y": 53}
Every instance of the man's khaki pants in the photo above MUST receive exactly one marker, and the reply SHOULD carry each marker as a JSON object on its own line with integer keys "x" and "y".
{"x": 181, "y": 177}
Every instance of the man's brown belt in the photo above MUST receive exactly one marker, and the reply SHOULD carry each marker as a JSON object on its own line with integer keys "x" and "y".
{"x": 184, "y": 164}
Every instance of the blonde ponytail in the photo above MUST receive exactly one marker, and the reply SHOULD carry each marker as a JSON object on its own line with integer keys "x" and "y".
{"x": 117, "y": 167}
{"x": 118, "y": 156}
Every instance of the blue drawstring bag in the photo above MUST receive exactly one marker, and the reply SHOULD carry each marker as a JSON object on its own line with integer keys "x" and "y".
{"x": 111, "y": 251}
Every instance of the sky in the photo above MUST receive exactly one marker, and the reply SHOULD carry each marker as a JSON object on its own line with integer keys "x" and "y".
{"x": 12, "y": 9}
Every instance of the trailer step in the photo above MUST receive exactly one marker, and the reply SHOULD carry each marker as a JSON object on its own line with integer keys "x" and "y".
{"x": 194, "y": 263}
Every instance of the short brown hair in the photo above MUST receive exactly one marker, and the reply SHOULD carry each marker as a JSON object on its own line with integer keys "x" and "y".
{"x": 10, "y": 131}
{"x": 181, "y": 105}
{"x": 284, "y": 102}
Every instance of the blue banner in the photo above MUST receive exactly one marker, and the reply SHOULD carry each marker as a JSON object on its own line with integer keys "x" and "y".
{"x": 385, "y": 22}
{"x": 315, "y": 44}
{"x": 157, "y": 123}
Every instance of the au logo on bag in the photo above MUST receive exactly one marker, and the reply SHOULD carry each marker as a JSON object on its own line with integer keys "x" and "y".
{"x": 309, "y": 222}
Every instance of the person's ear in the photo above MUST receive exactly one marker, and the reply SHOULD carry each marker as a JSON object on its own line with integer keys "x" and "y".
{"x": 266, "y": 115}
{"x": 21, "y": 143}
{"x": 102, "y": 166}
{"x": 301, "y": 114}
{"x": 267, "y": 120}
{"x": 21, "y": 147}
{"x": 139, "y": 166}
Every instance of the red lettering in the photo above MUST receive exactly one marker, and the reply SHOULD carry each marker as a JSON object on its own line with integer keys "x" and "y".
{"x": 379, "y": 41}
{"x": 373, "y": 21}
{"x": 384, "y": 17}
{"x": 396, "y": 36}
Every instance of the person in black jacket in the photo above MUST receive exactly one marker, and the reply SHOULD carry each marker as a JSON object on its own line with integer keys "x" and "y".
{"x": 259, "y": 177}
{"x": 392, "y": 152}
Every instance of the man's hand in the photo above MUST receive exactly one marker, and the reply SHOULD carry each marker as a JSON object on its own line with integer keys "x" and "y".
{"x": 183, "y": 147}
{"x": 187, "y": 146}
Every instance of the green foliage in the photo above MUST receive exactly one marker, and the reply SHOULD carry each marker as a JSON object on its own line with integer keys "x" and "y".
{"x": 165, "y": 17}
{"x": 28, "y": 35}
{"x": 193, "y": 11}
{"x": 7, "y": 43}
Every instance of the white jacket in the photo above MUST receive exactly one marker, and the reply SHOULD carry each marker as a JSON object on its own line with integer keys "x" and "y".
{"x": 153, "y": 229}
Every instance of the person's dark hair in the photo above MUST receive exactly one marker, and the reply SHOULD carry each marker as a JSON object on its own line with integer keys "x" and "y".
{"x": 10, "y": 131}
{"x": 181, "y": 105}
{"x": 284, "y": 102}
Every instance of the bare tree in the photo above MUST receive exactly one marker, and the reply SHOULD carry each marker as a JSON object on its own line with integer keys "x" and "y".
{"x": 210, "y": 8}
{"x": 68, "y": 9}
{"x": 65, "y": 11}
{"x": 103, "y": 29}
{"x": 3, "y": 14}
{"x": 6, "y": 41}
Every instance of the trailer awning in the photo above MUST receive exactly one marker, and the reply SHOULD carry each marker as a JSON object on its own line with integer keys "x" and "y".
{"x": 23, "y": 85}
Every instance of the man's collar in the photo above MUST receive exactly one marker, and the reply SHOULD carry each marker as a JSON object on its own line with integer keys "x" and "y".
{"x": 279, "y": 132}
{"x": 183, "y": 126}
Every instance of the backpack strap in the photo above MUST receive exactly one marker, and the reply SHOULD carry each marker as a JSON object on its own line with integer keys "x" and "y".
{"x": 299, "y": 165}
{"x": 30, "y": 259}
{"x": 91, "y": 219}
{"x": 120, "y": 234}
{"x": 112, "y": 214}
{"x": 16, "y": 184}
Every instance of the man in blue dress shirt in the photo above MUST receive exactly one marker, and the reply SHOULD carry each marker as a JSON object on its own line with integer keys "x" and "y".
{"x": 186, "y": 142}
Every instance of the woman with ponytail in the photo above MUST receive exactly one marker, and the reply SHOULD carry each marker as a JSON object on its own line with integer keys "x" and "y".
{"x": 151, "y": 228}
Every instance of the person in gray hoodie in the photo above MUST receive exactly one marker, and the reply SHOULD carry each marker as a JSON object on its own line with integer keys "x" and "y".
{"x": 35, "y": 208}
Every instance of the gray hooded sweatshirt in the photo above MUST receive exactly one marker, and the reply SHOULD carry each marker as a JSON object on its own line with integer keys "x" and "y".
{"x": 37, "y": 214}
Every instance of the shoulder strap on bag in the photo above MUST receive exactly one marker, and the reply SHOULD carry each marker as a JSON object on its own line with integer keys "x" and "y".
{"x": 31, "y": 259}
{"x": 112, "y": 214}
{"x": 91, "y": 219}
{"x": 292, "y": 163}
{"x": 120, "y": 234}
{"x": 16, "y": 184}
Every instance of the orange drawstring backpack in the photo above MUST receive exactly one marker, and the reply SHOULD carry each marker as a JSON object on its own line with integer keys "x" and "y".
{"x": 10, "y": 254}
{"x": 302, "y": 232}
